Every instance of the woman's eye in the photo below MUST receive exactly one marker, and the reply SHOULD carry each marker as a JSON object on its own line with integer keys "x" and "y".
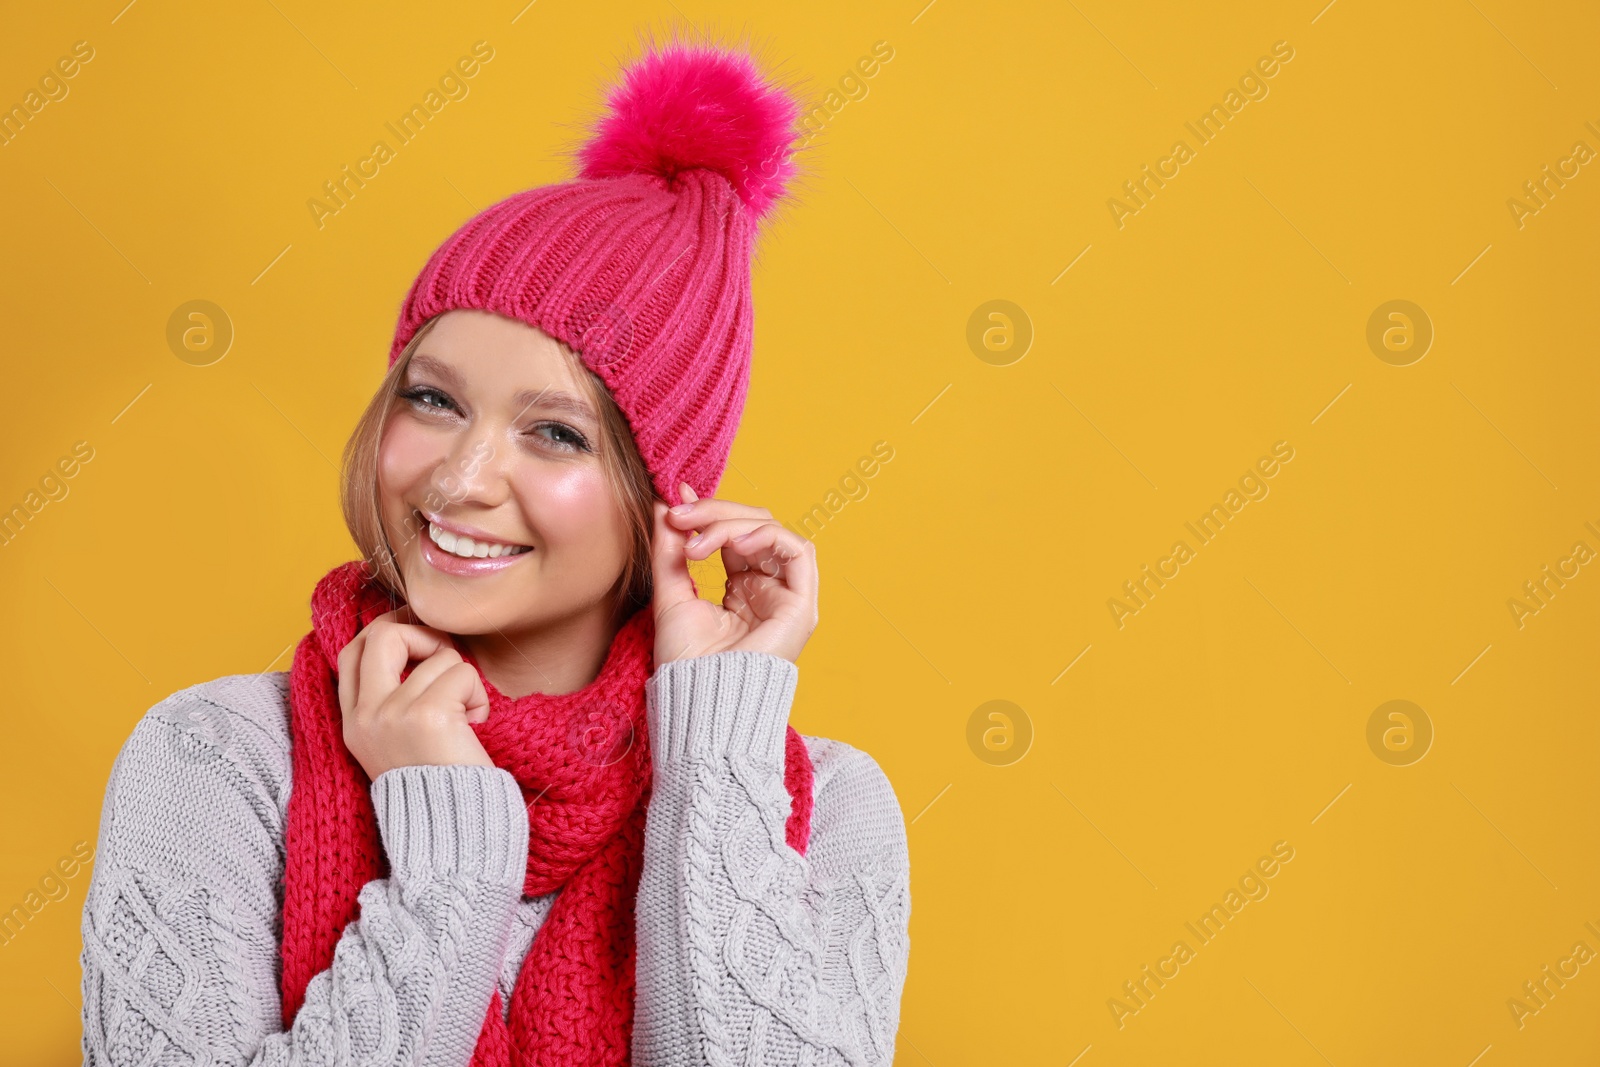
{"x": 564, "y": 436}
{"x": 428, "y": 398}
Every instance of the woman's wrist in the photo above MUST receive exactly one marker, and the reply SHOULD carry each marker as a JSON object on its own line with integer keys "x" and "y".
{"x": 728, "y": 703}
{"x": 453, "y": 819}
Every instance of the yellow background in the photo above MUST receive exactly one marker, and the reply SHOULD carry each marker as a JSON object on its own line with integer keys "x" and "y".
{"x": 1226, "y": 315}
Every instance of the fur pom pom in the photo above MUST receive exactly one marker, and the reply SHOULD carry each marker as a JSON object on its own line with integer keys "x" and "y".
{"x": 685, "y": 107}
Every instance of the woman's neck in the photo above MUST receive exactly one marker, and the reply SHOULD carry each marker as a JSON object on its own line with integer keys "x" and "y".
{"x": 561, "y": 657}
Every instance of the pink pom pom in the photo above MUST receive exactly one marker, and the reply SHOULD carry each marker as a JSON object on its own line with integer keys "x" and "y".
{"x": 686, "y": 107}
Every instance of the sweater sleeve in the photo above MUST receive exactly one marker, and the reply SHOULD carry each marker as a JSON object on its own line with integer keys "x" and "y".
{"x": 748, "y": 952}
{"x": 182, "y": 918}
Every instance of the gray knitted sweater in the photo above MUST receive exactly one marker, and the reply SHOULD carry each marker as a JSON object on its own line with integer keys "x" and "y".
{"x": 748, "y": 952}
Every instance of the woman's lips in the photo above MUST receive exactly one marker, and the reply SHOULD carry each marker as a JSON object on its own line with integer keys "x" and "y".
{"x": 461, "y": 530}
{"x": 465, "y": 566}
{"x": 450, "y": 563}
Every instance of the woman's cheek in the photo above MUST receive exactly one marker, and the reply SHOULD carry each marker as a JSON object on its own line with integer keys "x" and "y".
{"x": 570, "y": 504}
{"x": 405, "y": 457}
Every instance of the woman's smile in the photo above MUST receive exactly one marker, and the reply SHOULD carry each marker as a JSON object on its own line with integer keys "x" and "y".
{"x": 468, "y": 541}
{"x": 464, "y": 550}
{"x": 588, "y": 722}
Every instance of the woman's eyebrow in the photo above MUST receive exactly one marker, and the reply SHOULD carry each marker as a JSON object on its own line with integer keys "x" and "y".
{"x": 554, "y": 398}
{"x": 429, "y": 365}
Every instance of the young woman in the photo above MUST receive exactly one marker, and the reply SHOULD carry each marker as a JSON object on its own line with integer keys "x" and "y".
{"x": 525, "y": 798}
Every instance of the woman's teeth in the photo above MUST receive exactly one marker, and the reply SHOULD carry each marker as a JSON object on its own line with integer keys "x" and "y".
{"x": 467, "y": 548}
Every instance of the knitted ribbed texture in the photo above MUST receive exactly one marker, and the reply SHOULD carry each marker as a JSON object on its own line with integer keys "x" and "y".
{"x": 582, "y": 761}
{"x": 651, "y": 287}
{"x": 181, "y": 923}
{"x": 642, "y": 264}
{"x": 757, "y": 978}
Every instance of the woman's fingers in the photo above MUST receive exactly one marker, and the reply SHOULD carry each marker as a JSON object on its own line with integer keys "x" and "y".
{"x": 770, "y": 602}
{"x": 670, "y": 577}
{"x": 777, "y": 554}
{"x": 716, "y": 533}
{"x": 349, "y": 662}
{"x": 752, "y": 544}
{"x": 761, "y": 547}
{"x": 459, "y": 685}
{"x": 393, "y": 723}
{"x": 698, "y": 513}
{"x": 350, "y": 672}
{"x": 422, "y": 676}
{"x": 717, "y": 521}
{"x": 389, "y": 646}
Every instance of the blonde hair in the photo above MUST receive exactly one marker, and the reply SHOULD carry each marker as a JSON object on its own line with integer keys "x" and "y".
{"x": 629, "y": 478}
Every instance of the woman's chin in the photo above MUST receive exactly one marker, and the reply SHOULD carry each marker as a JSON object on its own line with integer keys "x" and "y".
{"x": 452, "y": 604}
{"x": 443, "y": 610}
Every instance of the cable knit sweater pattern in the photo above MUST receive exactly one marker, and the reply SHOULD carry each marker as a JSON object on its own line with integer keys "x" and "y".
{"x": 748, "y": 952}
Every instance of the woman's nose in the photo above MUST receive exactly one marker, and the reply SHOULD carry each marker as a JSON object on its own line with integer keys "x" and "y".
{"x": 471, "y": 473}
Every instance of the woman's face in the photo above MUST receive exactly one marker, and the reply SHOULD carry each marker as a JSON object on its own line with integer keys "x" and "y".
{"x": 491, "y": 489}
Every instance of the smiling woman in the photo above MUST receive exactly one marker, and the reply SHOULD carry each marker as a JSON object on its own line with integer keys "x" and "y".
{"x": 472, "y": 395}
{"x": 524, "y": 796}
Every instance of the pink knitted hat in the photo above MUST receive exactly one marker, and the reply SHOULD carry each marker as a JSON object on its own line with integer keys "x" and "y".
{"x": 641, "y": 264}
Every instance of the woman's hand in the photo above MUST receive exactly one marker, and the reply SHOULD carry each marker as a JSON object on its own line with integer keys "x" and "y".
{"x": 422, "y": 720}
{"x": 770, "y": 603}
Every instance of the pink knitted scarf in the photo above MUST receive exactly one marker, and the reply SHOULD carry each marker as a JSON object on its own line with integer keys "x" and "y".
{"x": 582, "y": 760}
